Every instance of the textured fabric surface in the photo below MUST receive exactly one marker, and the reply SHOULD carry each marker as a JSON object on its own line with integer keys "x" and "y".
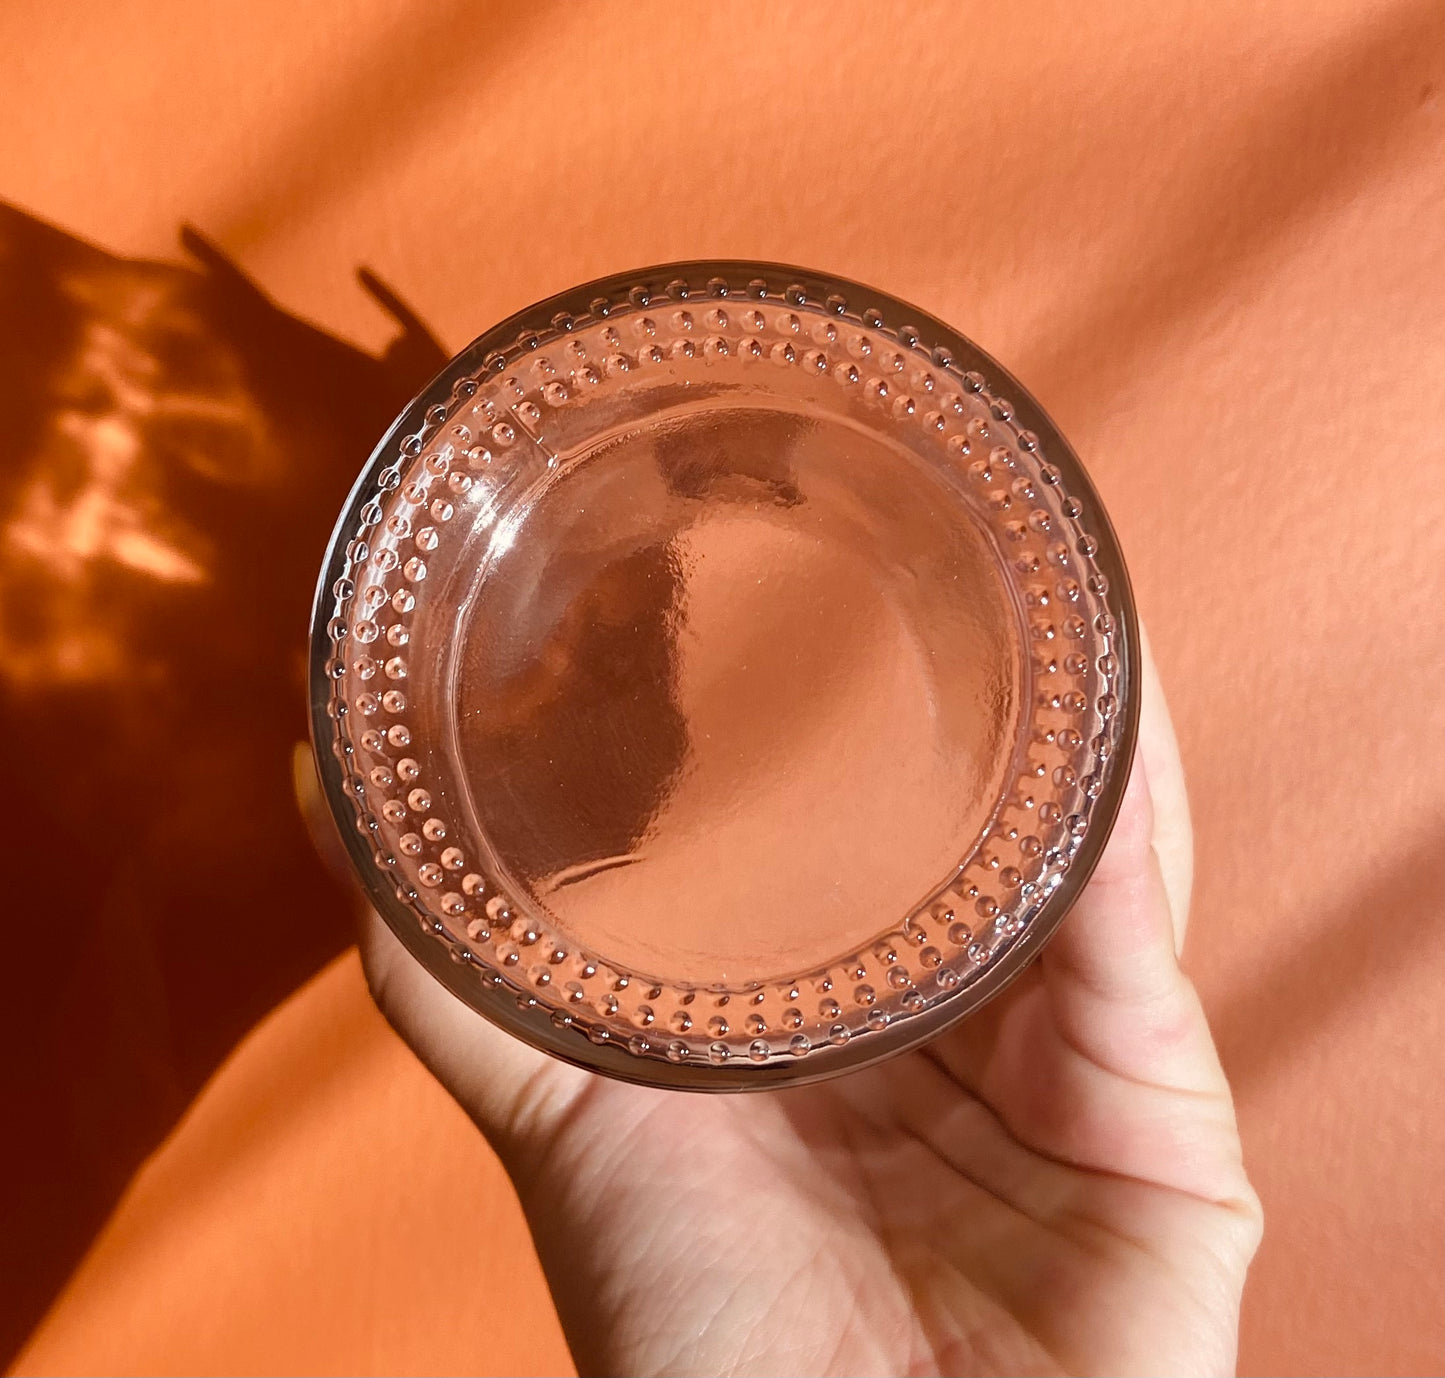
{"x": 1211, "y": 240}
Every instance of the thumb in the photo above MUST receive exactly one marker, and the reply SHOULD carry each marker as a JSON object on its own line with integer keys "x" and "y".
{"x": 1112, "y": 972}
{"x": 512, "y": 1092}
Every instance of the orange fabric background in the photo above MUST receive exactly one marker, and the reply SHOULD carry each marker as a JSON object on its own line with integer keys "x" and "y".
{"x": 1211, "y": 239}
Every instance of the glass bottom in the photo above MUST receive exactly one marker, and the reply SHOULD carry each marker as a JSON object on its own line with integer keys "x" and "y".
{"x": 734, "y": 689}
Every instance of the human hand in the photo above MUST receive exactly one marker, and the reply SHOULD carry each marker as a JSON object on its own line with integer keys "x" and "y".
{"x": 1053, "y": 1185}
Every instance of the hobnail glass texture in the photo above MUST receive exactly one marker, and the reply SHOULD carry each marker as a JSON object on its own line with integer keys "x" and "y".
{"x": 723, "y": 675}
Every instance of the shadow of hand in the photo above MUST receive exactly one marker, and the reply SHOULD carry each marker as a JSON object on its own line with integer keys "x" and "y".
{"x": 176, "y": 448}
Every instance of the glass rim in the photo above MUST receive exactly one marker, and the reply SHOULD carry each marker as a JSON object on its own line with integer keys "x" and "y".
{"x": 775, "y": 283}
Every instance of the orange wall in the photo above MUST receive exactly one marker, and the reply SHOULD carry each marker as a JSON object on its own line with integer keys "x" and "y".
{"x": 1211, "y": 239}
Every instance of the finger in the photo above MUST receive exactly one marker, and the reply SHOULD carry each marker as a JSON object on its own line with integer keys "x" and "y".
{"x": 511, "y": 1091}
{"x": 1112, "y": 972}
{"x": 1173, "y": 839}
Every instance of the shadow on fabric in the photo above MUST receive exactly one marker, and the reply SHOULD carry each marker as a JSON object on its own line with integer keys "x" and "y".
{"x": 174, "y": 450}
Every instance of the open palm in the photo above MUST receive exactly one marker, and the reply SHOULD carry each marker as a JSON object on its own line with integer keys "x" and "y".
{"x": 1054, "y": 1185}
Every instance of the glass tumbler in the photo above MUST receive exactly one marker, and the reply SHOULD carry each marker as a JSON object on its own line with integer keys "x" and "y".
{"x": 723, "y": 675}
